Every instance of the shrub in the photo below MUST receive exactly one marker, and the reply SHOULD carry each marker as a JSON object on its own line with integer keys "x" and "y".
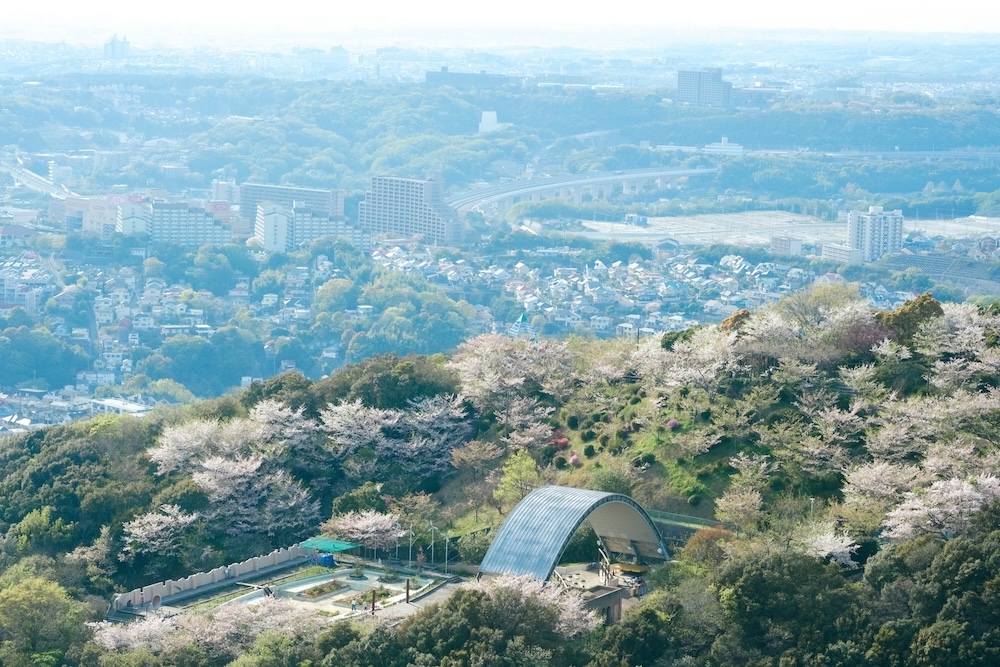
{"x": 645, "y": 459}
{"x": 559, "y": 462}
{"x": 588, "y": 451}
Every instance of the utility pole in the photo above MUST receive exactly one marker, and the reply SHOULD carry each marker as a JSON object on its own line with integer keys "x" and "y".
{"x": 446, "y": 541}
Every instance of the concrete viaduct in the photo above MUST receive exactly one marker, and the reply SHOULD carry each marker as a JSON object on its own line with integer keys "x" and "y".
{"x": 571, "y": 188}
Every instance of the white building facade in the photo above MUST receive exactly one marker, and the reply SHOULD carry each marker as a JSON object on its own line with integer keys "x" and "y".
{"x": 875, "y": 233}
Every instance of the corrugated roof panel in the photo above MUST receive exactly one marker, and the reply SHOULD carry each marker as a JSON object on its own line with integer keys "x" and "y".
{"x": 532, "y": 539}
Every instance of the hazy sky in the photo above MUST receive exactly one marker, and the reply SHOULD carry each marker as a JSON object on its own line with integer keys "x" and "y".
{"x": 184, "y": 21}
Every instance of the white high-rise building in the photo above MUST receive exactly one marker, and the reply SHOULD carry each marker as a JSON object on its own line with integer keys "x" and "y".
{"x": 875, "y": 233}
{"x": 329, "y": 203}
{"x": 278, "y": 228}
{"x": 273, "y": 227}
{"x": 180, "y": 224}
{"x": 409, "y": 207}
{"x": 133, "y": 219}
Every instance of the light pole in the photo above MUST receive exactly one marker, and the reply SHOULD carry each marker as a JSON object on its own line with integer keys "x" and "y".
{"x": 433, "y": 528}
{"x": 446, "y": 541}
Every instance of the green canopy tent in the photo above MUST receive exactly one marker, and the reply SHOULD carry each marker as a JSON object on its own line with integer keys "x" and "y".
{"x": 328, "y": 546}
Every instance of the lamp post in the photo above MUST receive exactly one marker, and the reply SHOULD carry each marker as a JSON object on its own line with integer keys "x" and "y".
{"x": 446, "y": 541}
{"x": 433, "y": 528}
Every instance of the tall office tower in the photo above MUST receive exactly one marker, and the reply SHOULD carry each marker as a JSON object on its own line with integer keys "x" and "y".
{"x": 876, "y": 232}
{"x": 278, "y": 228}
{"x": 325, "y": 202}
{"x": 186, "y": 225}
{"x": 703, "y": 87}
{"x": 409, "y": 207}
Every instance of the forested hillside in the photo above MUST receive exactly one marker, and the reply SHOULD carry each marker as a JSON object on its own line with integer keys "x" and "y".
{"x": 850, "y": 454}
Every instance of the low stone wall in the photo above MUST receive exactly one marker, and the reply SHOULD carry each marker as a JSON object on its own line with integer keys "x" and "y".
{"x": 154, "y": 594}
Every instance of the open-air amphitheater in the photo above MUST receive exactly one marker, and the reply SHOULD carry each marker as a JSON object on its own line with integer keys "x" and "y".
{"x": 530, "y": 542}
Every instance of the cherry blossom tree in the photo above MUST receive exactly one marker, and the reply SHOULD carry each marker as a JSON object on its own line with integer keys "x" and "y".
{"x": 225, "y": 633}
{"x": 752, "y": 470}
{"x": 701, "y": 361}
{"x": 868, "y": 392}
{"x": 418, "y": 441}
{"x": 740, "y": 507}
{"x": 180, "y": 447}
{"x": 881, "y": 482}
{"x": 374, "y": 530}
{"x": 246, "y": 499}
{"x": 436, "y": 427}
{"x": 889, "y": 351}
{"x": 696, "y": 441}
{"x": 495, "y": 369}
{"x": 475, "y": 456}
{"x": 156, "y": 533}
{"x": 820, "y": 539}
{"x": 945, "y": 508}
{"x": 296, "y": 435}
{"x": 953, "y": 458}
{"x": 506, "y": 597}
{"x": 527, "y": 423}
{"x": 953, "y": 374}
{"x": 353, "y": 426}
{"x": 766, "y": 337}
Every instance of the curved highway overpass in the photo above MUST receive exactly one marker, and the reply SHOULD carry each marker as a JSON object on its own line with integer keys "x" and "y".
{"x": 575, "y": 186}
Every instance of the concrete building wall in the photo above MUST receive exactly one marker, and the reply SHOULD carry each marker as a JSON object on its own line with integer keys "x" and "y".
{"x": 409, "y": 207}
{"x": 327, "y": 202}
{"x": 186, "y": 226}
{"x": 145, "y": 595}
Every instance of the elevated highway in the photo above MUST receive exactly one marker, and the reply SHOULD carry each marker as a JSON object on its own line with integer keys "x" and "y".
{"x": 572, "y": 188}
{"x": 33, "y": 181}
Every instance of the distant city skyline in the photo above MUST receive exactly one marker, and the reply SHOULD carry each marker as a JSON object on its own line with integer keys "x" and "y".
{"x": 454, "y": 22}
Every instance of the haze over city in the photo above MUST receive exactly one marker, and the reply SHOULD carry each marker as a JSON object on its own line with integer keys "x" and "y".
{"x": 453, "y": 23}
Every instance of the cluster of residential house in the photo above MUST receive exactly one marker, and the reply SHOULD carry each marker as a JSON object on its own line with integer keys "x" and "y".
{"x": 637, "y": 298}
{"x": 553, "y": 287}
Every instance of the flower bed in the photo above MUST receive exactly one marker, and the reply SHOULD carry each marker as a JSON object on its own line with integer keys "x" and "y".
{"x": 331, "y": 586}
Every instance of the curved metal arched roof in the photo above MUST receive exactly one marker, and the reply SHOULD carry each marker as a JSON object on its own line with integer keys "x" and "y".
{"x": 532, "y": 539}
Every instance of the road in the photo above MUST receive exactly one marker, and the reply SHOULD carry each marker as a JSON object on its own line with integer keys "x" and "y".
{"x": 35, "y": 182}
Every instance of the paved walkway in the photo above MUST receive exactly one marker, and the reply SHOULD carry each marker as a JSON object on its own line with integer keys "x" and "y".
{"x": 398, "y": 612}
